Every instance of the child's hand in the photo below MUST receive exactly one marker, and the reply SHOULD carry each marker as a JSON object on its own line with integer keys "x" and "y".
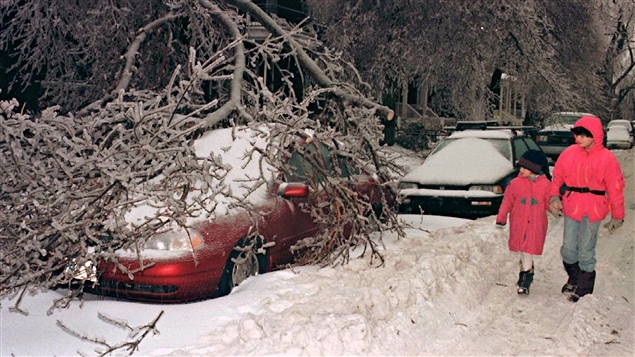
{"x": 555, "y": 212}
{"x": 500, "y": 225}
{"x": 555, "y": 207}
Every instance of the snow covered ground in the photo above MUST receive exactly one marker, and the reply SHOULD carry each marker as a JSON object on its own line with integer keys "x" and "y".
{"x": 447, "y": 288}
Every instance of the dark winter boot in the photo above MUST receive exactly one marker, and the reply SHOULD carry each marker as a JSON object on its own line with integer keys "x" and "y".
{"x": 524, "y": 281}
{"x": 573, "y": 270}
{"x": 586, "y": 282}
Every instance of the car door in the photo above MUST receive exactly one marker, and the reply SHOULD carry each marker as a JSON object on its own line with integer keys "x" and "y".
{"x": 308, "y": 165}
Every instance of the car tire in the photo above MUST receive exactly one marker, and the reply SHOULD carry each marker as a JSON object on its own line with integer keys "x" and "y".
{"x": 248, "y": 258}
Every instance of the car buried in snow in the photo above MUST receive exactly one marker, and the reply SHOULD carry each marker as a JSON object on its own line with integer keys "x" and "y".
{"x": 619, "y": 134}
{"x": 215, "y": 254}
{"x": 467, "y": 173}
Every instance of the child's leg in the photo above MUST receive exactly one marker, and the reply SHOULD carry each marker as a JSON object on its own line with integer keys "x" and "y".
{"x": 526, "y": 261}
{"x": 526, "y": 275}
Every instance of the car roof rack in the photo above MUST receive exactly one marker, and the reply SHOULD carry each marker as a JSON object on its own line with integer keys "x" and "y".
{"x": 486, "y": 125}
{"x": 475, "y": 125}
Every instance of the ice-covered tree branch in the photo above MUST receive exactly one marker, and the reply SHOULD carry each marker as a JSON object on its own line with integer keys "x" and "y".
{"x": 71, "y": 178}
{"x": 309, "y": 65}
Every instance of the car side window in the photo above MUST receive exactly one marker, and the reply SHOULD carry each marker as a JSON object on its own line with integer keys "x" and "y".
{"x": 503, "y": 147}
{"x": 531, "y": 144}
{"x": 520, "y": 148}
{"x": 314, "y": 161}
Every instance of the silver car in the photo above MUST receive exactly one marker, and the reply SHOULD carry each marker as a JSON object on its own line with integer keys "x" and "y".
{"x": 619, "y": 134}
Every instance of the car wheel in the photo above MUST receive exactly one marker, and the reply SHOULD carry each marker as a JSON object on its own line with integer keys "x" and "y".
{"x": 248, "y": 258}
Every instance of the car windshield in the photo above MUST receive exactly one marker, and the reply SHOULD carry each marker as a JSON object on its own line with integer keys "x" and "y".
{"x": 617, "y": 131}
{"x": 619, "y": 124}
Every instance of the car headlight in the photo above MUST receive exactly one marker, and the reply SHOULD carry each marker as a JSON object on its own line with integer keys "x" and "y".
{"x": 178, "y": 240}
{"x": 407, "y": 185}
{"x": 488, "y": 188}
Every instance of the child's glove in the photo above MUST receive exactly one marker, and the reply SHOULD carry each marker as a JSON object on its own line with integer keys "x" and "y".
{"x": 614, "y": 224}
{"x": 500, "y": 225}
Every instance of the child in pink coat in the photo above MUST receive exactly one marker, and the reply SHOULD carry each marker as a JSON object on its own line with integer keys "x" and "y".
{"x": 526, "y": 201}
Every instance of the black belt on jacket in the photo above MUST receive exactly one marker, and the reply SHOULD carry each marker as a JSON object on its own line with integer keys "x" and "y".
{"x": 585, "y": 190}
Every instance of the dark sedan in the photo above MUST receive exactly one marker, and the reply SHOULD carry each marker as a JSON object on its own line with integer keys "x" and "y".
{"x": 557, "y": 135}
{"x": 466, "y": 174}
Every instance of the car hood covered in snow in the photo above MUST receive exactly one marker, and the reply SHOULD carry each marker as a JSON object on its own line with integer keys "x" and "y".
{"x": 462, "y": 162}
{"x": 230, "y": 183}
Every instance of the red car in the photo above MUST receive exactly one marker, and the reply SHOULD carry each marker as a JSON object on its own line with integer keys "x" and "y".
{"x": 221, "y": 251}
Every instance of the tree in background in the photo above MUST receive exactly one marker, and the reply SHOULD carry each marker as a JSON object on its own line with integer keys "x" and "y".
{"x": 617, "y": 19}
{"x": 558, "y": 50}
{"x": 569, "y": 55}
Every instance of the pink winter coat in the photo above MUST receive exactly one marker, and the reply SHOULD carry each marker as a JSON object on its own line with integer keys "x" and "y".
{"x": 595, "y": 169}
{"x": 526, "y": 202}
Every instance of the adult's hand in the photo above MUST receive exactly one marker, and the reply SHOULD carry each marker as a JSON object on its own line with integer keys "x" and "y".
{"x": 614, "y": 224}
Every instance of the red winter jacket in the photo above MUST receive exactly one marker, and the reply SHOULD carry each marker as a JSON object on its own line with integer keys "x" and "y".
{"x": 596, "y": 169}
{"x": 526, "y": 202}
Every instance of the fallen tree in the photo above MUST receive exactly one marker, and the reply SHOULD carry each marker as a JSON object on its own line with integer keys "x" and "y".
{"x": 70, "y": 177}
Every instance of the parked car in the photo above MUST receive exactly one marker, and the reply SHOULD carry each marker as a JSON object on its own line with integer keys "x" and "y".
{"x": 219, "y": 253}
{"x": 623, "y": 123}
{"x": 556, "y": 135}
{"x": 619, "y": 134}
{"x": 466, "y": 174}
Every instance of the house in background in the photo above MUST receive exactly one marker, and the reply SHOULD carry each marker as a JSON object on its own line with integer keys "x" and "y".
{"x": 509, "y": 99}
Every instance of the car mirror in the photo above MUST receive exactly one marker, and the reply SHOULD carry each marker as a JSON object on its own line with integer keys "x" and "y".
{"x": 293, "y": 189}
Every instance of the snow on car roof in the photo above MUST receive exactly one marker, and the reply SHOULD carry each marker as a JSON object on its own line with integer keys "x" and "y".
{"x": 485, "y": 134}
{"x": 573, "y": 113}
{"x": 618, "y": 121}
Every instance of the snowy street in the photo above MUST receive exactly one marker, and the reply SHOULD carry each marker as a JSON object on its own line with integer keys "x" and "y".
{"x": 446, "y": 289}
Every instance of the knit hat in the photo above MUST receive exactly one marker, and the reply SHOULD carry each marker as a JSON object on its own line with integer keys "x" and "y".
{"x": 580, "y": 130}
{"x": 533, "y": 160}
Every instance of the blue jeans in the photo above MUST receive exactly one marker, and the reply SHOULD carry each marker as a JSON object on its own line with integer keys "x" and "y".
{"x": 578, "y": 244}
